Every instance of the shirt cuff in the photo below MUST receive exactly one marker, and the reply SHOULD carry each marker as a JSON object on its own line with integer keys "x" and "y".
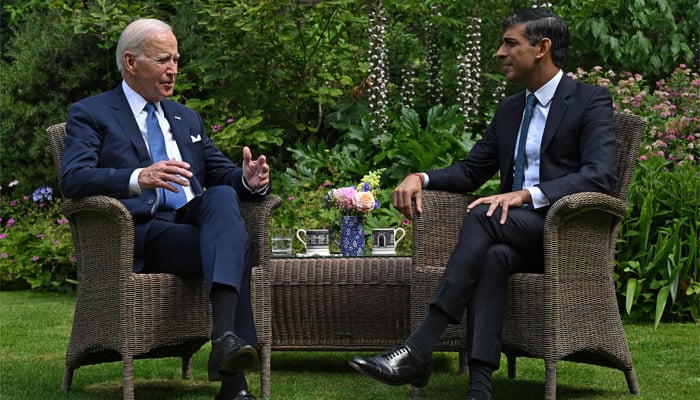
{"x": 134, "y": 187}
{"x": 262, "y": 191}
{"x": 539, "y": 200}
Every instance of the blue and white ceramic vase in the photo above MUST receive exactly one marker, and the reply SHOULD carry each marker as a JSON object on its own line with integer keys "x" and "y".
{"x": 352, "y": 236}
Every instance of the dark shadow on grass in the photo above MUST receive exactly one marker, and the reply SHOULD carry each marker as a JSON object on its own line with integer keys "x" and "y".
{"x": 152, "y": 389}
{"x": 333, "y": 361}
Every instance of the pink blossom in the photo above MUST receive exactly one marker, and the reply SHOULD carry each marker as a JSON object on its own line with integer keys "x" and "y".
{"x": 217, "y": 128}
{"x": 597, "y": 68}
{"x": 74, "y": 258}
{"x": 291, "y": 198}
{"x": 61, "y": 221}
{"x": 229, "y": 121}
{"x": 643, "y": 158}
{"x": 4, "y": 255}
{"x": 13, "y": 203}
{"x": 10, "y": 222}
{"x": 40, "y": 236}
{"x": 35, "y": 258}
{"x": 13, "y": 183}
{"x": 2, "y": 235}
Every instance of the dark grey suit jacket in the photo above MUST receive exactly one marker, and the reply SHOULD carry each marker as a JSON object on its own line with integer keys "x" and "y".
{"x": 577, "y": 152}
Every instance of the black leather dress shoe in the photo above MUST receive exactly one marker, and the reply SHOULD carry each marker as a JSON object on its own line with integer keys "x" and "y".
{"x": 242, "y": 395}
{"x": 230, "y": 355}
{"x": 396, "y": 366}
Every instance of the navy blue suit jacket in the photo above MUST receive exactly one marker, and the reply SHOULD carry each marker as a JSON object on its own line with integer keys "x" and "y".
{"x": 577, "y": 152}
{"x": 104, "y": 145}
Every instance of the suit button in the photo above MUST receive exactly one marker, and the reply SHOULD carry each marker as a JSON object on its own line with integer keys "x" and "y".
{"x": 150, "y": 202}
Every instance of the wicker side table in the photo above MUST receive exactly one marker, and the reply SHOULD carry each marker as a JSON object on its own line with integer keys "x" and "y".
{"x": 340, "y": 303}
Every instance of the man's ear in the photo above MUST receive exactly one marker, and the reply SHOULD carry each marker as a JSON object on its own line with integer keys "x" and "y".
{"x": 544, "y": 48}
{"x": 129, "y": 62}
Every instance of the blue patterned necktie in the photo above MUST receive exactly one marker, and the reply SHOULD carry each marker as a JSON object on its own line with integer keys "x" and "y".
{"x": 519, "y": 174}
{"x": 156, "y": 143}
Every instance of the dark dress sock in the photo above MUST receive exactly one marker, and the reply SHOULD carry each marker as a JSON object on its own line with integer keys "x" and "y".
{"x": 423, "y": 339}
{"x": 480, "y": 380}
{"x": 231, "y": 387}
{"x": 223, "y": 307}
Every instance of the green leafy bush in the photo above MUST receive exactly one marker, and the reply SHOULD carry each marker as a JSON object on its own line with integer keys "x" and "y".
{"x": 658, "y": 264}
{"x": 37, "y": 250}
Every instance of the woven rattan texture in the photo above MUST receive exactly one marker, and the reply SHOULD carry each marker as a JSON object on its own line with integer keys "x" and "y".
{"x": 340, "y": 303}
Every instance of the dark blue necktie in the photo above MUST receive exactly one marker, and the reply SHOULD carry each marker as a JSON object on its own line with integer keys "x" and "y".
{"x": 156, "y": 144}
{"x": 519, "y": 174}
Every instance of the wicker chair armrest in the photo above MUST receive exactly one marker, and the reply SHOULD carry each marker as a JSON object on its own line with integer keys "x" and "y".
{"x": 103, "y": 236}
{"x": 257, "y": 215}
{"x": 436, "y": 229}
{"x": 572, "y": 236}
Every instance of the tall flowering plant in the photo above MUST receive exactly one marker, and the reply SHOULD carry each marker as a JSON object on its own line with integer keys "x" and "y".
{"x": 356, "y": 200}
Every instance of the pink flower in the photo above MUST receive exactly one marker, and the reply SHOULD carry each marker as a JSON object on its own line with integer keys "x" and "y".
{"x": 229, "y": 121}
{"x": 291, "y": 198}
{"x": 74, "y": 258}
{"x": 217, "y": 128}
{"x": 40, "y": 236}
{"x": 10, "y": 222}
{"x": 2, "y": 235}
{"x": 13, "y": 183}
{"x": 35, "y": 258}
{"x": 643, "y": 158}
{"x": 4, "y": 255}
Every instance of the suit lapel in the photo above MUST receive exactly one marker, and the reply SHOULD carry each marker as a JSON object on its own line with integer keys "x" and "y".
{"x": 512, "y": 125}
{"x": 181, "y": 133}
{"x": 126, "y": 121}
{"x": 557, "y": 111}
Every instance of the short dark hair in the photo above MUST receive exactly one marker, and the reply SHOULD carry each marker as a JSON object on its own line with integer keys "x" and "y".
{"x": 542, "y": 23}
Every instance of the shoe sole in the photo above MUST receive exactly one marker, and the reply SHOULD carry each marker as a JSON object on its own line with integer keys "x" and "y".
{"x": 417, "y": 383}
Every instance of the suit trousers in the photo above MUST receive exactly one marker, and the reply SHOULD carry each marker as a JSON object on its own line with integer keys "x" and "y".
{"x": 476, "y": 275}
{"x": 206, "y": 238}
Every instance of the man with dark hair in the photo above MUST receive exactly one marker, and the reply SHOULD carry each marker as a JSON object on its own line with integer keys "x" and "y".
{"x": 155, "y": 157}
{"x": 553, "y": 139}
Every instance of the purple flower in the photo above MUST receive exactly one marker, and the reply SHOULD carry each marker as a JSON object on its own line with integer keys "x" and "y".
{"x": 35, "y": 258}
{"x": 10, "y": 222}
{"x": 73, "y": 258}
{"x": 42, "y": 193}
{"x": 40, "y": 236}
{"x": 2, "y": 235}
{"x": 4, "y": 255}
{"x": 217, "y": 128}
{"x": 229, "y": 121}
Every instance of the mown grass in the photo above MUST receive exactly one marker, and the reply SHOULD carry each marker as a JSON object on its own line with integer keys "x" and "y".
{"x": 35, "y": 327}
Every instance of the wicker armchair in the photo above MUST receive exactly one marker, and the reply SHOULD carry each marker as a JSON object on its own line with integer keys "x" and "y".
{"x": 570, "y": 311}
{"x": 121, "y": 315}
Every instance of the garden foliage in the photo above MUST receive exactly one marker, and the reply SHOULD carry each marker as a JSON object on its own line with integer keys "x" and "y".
{"x": 293, "y": 81}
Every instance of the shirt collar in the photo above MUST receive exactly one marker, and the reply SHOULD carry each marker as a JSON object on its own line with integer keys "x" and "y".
{"x": 136, "y": 102}
{"x": 545, "y": 94}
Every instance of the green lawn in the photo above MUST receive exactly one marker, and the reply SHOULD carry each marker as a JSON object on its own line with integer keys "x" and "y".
{"x": 34, "y": 331}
